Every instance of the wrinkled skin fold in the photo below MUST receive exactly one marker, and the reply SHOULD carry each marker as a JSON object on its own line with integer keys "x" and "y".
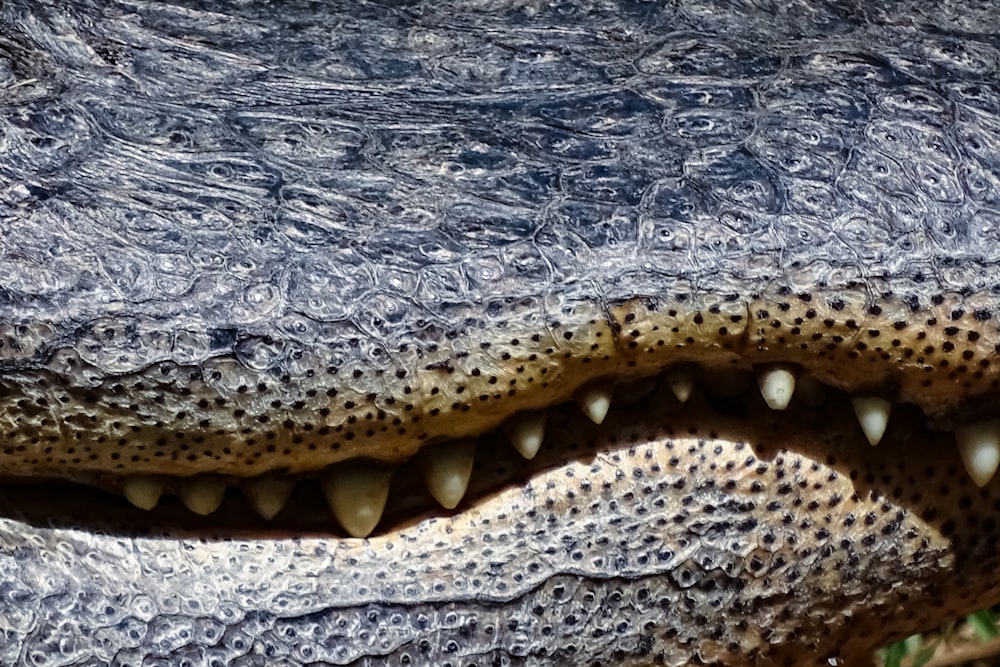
{"x": 269, "y": 238}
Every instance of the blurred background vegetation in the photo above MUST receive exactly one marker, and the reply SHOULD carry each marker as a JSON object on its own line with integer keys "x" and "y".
{"x": 972, "y": 642}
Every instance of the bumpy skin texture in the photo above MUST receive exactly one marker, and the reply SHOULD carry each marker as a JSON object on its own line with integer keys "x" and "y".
{"x": 275, "y": 235}
{"x": 222, "y": 215}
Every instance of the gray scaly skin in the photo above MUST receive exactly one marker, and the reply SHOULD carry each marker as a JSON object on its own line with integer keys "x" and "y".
{"x": 273, "y": 237}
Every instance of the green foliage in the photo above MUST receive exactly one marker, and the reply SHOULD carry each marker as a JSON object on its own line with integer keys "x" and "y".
{"x": 923, "y": 656}
{"x": 985, "y": 625}
{"x": 919, "y": 652}
{"x": 911, "y": 646}
{"x": 895, "y": 653}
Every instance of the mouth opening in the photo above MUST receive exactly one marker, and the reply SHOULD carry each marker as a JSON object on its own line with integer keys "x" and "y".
{"x": 348, "y": 432}
{"x": 363, "y": 497}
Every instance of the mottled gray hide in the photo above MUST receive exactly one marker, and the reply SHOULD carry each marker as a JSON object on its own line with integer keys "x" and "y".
{"x": 258, "y": 179}
{"x": 223, "y": 170}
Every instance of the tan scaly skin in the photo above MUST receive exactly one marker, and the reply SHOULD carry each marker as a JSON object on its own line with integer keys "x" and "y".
{"x": 348, "y": 255}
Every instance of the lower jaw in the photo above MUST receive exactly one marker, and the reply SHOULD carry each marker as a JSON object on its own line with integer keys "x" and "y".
{"x": 718, "y": 528}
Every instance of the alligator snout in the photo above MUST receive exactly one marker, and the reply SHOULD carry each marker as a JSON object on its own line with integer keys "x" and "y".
{"x": 582, "y": 318}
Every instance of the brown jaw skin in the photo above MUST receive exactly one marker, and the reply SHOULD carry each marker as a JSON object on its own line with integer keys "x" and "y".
{"x": 220, "y": 417}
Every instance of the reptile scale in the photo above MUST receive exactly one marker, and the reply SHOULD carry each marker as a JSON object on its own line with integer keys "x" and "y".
{"x": 496, "y": 332}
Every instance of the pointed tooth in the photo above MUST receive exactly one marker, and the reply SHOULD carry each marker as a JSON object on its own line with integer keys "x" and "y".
{"x": 873, "y": 415}
{"x": 777, "y": 384}
{"x": 446, "y": 469}
{"x": 202, "y": 495}
{"x": 681, "y": 383}
{"x": 268, "y": 495}
{"x": 979, "y": 445}
{"x": 595, "y": 400}
{"x": 526, "y": 430}
{"x": 356, "y": 493}
{"x": 143, "y": 491}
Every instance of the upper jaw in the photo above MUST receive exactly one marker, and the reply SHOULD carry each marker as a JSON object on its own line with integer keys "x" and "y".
{"x": 420, "y": 267}
{"x": 358, "y": 489}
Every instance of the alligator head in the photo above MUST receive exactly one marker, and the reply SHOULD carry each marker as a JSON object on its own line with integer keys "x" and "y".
{"x": 366, "y": 253}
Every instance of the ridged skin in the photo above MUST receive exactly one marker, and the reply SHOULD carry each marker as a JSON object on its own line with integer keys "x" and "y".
{"x": 277, "y": 236}
{"x": 274, "y": 236}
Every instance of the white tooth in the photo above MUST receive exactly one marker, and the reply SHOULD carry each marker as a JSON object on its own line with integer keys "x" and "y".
{"x": 979, "y": 445}
{"x": 446, "y": 469}
{"x": 268, "y": 495}
{"x": 777, "y": 384}
{"x": 873, "y": 414}
{"x": 143, "y": 491}
{"x": 202, "y": 495}
{"x": 356, "y": 494}
{"x": 595, "y": 400}
{"x": 681, "y": 383}
{"x": 526, "y": 431}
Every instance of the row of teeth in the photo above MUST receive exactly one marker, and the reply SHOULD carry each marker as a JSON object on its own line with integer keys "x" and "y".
{"x": 357, "y": 492}
{"x": 978, "y": 442}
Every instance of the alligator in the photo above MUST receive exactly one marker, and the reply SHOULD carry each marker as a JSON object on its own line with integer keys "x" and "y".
{"x": 510, "y": 332}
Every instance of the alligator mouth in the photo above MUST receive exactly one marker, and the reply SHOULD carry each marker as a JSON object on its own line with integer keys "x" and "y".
{"x": 731, "y": 404}
{"x": 787, "y": 520}
{"x": 432, "y": 429}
